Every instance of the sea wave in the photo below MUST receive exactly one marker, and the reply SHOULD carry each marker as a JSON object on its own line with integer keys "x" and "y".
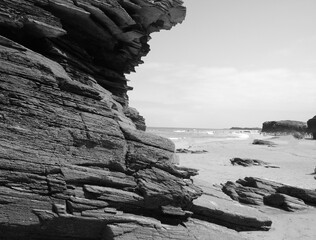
{"x": 241, "y": 135}
{"x": 174, "y": 138}
{"x": 196, "y": 136}
{"x": 179, "y": 131}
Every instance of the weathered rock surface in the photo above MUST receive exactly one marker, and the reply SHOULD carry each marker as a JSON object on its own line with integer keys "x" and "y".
{"x": 295, "y": 128}
{"x": 95, "y": 42}
{"x": 311, "y": 127}
{"x": 263, "y": 142}
{"x": 248, "y": 162}
{"x": 285, "y": 202}
{"x": 191, "y": 230}
{"x": 75, "y": 162}
{"x": 257, "y": 191}
{"x": 185, "y": 150}
{"x": 137, "y": 119}
{"x": 225, "y": 212}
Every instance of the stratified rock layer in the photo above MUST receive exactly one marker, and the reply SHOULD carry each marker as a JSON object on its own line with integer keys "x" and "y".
{"x": 75, "y": 162}
{"x": 215, "y": 208}
{"x": 248, "y": 162}
{"x": 67, "y": 158}
{"x": 96, "y": 42}
{"x": 257, "y": 191}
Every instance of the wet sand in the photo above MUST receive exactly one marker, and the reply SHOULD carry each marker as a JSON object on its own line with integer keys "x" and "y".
{"x": 296, "y": 159}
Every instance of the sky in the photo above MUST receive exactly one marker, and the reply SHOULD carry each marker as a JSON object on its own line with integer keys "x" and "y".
{"x": 231, "y": 63}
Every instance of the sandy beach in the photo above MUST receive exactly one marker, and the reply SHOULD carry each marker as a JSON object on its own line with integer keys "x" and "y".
{"x": 296, "y": 160}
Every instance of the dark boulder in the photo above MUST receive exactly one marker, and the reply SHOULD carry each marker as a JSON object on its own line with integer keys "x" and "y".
{"x": 284, "y": 127}
{"x": 263, "y": 142}
{"x": 285, "y": 202}
{"x": 311, "y": 127}
{"x": 247, "y": 162}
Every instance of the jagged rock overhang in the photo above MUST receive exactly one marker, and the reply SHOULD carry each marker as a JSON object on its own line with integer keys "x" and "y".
{"x": 95, "y": 41}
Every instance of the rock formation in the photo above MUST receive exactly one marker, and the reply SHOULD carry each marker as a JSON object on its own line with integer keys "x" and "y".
{"x": 263, "y": 142}
{"x": 295, "y": 128}
{"x": 214, "y": 206}
{"x": 248, "y": 162}
{"x": 311, "y": 127}
{"x": 257, "y": 191}
{"x": 185, "y": 150}
{"x": 75, "y": 162}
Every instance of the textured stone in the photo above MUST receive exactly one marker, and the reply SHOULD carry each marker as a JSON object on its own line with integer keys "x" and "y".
{"x": 184, "y": 150}
{"x": 307, "y": 195}
{"x": 139, "y": 120}
{"x": 75, "y": 162}
{"x": 160, "y": 188}
{"x": 176, "y": 211}
{"x": 115, "y": 196}
{"x": 263, "y": 142}
{"x": 261, "y": 191}
{"x": 102, "y": 177}
{"x": 148, "y": 139}
{"x": 284, "y": 127}
{"x": 245, "y": 194}
{"x": 192, "y": 230}
{"x": 285, "y": 202}
{"x": 247, "y": 162}
{"x": 140, "y": 156}
{"x": 112, "y": 42}
{"x": 76, "y": 204}
{"x": 229, "y": 214}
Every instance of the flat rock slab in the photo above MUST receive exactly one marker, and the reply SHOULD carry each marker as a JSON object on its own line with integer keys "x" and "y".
{"x": 211, "y": 190}
{"x": 148, "y": 139}
{"x": 229, "y": 213}
{"x": 192, "y": 230}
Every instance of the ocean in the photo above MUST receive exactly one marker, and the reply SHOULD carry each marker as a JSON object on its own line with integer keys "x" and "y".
{"x": 194, "y": 136}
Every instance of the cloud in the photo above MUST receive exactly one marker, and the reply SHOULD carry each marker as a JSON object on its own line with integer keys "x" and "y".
{"x": 184, "y": 91}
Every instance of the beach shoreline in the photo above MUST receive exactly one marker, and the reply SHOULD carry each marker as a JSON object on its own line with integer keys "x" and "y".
{"x": 295, "y": 158}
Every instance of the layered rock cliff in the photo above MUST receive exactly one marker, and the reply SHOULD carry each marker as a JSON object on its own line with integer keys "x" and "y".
{"x": 95, "y": 42}
{"x": 75, "y": 161}
{"x": 73, "y": 164}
